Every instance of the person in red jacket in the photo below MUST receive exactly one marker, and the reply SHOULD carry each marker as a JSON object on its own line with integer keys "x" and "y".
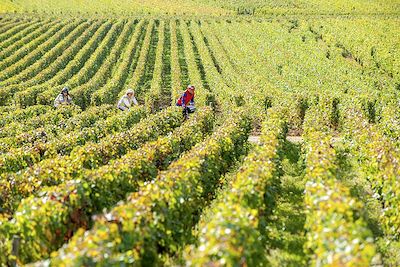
{"x": 186, "y": 101}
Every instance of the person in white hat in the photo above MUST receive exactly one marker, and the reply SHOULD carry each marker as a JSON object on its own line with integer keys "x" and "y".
{"x": 127, "y": 100}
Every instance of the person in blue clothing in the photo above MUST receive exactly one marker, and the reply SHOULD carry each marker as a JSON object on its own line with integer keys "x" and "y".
{"x": 186, "y": 101}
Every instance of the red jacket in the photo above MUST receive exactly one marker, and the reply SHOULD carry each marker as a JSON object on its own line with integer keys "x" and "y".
{"x": 185, "y": 99}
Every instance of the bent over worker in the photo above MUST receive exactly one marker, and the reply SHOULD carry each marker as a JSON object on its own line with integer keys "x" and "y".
{"x": 186, "y": 101}
{"x": 127, "y": 101}
{"x": 63, "y": 98}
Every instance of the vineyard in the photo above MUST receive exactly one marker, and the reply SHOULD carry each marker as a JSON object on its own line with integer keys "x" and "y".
{"x": 291, "y": 159}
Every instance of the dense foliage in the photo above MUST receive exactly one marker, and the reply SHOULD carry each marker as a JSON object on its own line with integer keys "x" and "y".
{"x": 315, "y": 85}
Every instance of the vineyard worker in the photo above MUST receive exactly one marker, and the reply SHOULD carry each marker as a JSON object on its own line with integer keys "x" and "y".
{"x": 186, "y": 101}
{"x": 63, "y": 98}
{"x": 126, "y": 102}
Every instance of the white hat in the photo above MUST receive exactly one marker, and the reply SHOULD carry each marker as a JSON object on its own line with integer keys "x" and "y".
{"x": 130, "y": 91}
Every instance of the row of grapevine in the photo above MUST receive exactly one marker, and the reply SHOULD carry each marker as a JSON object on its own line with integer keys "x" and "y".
{"x": 53, "y": 69}
{"x": 9, "y": 24}
{"x": 54, "y": 22}
{"x": 212, "y": 76}
{"x": 82, "y": 94}
{"x": 103, "y": 127}
{"x": 183, "y": 63}
{"x": 45, "y": 68}
{"x": 193, "y": 72}
{"x": 390, "y": 121}
{"x": 158, "y": 217}
{"x": 89, "y": 156}
{"x": 40, "y": 86}
{"x": 8, "y": 91}
{"x": 21, "y": 115}
{"x": 297, "y": 73}
{"x": 166, "y": 74}
{"x": 337, "y": 234}
{"x": 220, "y": 54}
{"x": 232, "y": 235}
{"x": 62, "y": 209}
{"x": 85, "y": 63}
{"x": 77, "y": 68}
{"x": 155, "y": 91}
{"x": 59, "y": 167}
{"x": 108, "y": 93}
{"x": 176, "y": 85}
{"x": 53, "y": 53}
{"x": 17, "y": 41}
{"x": 7, "y": 20}
{"x": 112, "y": 9}
{"x": 31, "y": 147}
{"x": 133, "y": 81}
{"x": 198, "y": 59}
{"x": 256, "y": 90}
{"x": 252, "y": 85}
{"x": 378, "y": 156}
{"x": 95, "y": 64}
{"x": 144, "y": 83}
{"x": 33, "y": 50}
{"x": 240, "y": 96}
{"x": 225, "y": 67}
{"x": 50, "y": 117}
{"x": 377, "y": 53}
{"x": 13, "y": 28}
{"x": 171, "y": 85}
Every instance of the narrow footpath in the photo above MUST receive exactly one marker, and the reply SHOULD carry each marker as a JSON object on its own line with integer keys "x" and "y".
{"x": 284, "y": 225}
